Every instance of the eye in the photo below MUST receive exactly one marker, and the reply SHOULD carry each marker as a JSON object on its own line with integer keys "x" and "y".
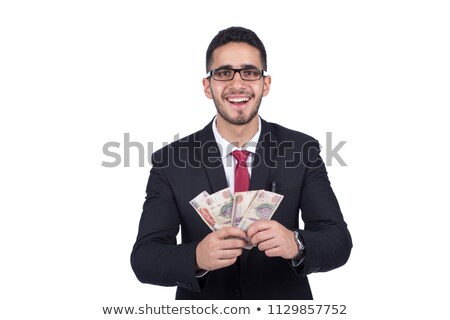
{"x": 251, "y": 73}
{"x": 223, "y": 73}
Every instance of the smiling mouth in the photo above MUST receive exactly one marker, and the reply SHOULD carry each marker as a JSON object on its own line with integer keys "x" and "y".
{"x": 238, "y": 101}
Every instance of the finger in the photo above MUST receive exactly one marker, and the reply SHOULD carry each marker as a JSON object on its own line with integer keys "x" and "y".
{"x": 231, "y": 232}
{"x": 268, "y": 245}
{"x": 232, "y": 243}
{"x": 262, "y": 236}
{"x": 230, "y": 253}
{"x": 258, "y": 226}
{"x": 274, "y": 252}
{"x": 222, "y": 263}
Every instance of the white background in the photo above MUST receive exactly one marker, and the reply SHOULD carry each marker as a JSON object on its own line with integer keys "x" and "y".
{"x": 75, "y": 75}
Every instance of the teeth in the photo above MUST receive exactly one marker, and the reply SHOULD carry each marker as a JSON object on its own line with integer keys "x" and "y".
{"x": 238, "y": 99}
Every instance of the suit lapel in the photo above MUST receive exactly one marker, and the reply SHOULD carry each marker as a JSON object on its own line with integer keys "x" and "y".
{"x": 211, "y": 159}
{"x": 263, "y": 161}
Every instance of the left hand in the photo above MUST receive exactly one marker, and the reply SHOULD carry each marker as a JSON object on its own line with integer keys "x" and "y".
{"x": 273, "y": 238}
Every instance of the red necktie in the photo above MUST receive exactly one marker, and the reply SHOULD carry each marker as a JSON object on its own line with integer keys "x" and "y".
{"x": 241, "y": 177}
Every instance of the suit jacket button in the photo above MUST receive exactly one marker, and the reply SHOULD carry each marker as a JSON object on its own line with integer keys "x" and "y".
{"x": 237, "y": 293}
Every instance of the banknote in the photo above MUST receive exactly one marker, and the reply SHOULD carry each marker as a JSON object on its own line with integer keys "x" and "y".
{"x": 262, "y": 207}
{"x": 241, "y": 202}
{"x": 202, "y": 209}
{"x": 220, "y": 205}
{"x": 224, "y": 209}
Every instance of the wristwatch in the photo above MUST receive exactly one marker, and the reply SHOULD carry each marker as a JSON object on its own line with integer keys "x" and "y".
{"x": 300, "y": 245}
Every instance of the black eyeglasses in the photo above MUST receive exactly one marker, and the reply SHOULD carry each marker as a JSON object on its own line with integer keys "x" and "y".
{"x": 227, "y": 74}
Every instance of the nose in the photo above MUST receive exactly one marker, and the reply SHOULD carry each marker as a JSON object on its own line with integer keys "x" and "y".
{"x": 237, "y": 81}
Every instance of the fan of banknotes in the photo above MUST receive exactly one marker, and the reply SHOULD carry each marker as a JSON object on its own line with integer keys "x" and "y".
{"x": 241, "y": 209}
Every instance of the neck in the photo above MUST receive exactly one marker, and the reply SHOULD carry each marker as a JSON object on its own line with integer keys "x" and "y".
{"x": 238, "y": 135}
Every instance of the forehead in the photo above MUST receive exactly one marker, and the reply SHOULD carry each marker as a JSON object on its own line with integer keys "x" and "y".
{"x": 237, "y": 55}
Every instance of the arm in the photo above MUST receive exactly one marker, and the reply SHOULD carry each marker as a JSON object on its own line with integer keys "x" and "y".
{"x": 326, "y": 237}
{"x": 156, "y": 258}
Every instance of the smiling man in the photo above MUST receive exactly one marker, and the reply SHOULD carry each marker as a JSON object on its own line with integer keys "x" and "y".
{"x": 241, "y": 151}
{"x": 237, "y": 100}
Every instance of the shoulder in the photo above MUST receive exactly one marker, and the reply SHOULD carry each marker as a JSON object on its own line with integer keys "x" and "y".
{"x": 295, "y": 146}
{"x": 286, "y": 135}
{"x": 185, "y": 149}
{"x": 175, "y": 148}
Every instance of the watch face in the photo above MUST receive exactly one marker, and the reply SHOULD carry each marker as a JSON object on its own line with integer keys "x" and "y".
{"x": 300, "y": 244}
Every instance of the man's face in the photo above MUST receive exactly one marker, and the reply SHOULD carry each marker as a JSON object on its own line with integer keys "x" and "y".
{"x": 205, "y": 213}
{"x": 237, "y": 101}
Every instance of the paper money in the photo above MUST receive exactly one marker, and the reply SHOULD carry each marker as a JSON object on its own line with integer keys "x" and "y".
{"x": 220, "y": 205}
{"x": 202, "y": 209}
{"x": 262, "y": 207}
{"x": 223, "y": 209}
{"x": 242, "y": 201}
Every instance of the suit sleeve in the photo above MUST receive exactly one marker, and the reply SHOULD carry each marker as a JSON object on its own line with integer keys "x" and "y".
{"x": 156, "y": 257}
{"x": 326, "y": 237}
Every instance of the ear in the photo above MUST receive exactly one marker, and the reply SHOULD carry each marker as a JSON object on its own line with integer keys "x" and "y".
{"x": 266, "y": 83}
{"x": 207, "y": 88}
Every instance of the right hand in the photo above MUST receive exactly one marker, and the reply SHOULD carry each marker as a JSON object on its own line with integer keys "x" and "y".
{"x": 217, "y": 250}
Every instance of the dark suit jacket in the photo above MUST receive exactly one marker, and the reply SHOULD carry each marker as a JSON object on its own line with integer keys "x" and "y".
{"x": 193, "y": 164}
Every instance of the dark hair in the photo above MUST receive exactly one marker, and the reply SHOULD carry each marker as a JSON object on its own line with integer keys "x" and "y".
{"x": 236, "y": 34}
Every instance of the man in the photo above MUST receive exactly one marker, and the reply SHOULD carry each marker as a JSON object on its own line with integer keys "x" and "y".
{"x": 214, "y": 264}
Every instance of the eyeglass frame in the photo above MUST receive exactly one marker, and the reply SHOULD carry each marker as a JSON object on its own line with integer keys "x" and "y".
{"x": 263, "y": 73}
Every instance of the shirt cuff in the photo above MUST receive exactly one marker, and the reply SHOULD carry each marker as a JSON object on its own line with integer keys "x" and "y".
{"x": 200, "y": 273}
{"x": 298, "y": 262}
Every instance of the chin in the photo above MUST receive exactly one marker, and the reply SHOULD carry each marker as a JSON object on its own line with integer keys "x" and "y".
{"x": 240, "y": 119}
{"x": 236, "y": 117}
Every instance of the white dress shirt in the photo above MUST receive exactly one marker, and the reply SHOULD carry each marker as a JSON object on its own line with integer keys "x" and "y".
{"x": 226, "y": 148}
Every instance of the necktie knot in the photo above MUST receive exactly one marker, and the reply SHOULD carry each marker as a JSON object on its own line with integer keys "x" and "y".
{"x": 241, "y": 157}
{"x": 241, "y": 177}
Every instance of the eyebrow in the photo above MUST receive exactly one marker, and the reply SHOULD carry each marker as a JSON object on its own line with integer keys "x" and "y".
{"x": 243, "y": 66}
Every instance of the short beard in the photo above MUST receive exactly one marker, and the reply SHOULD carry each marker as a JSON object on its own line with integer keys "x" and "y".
{"x": 240, "y": 120}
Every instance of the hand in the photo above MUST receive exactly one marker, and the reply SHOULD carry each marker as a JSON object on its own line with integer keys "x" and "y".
{"x": 273, "y": 238}
{"x": 217, "y": 250}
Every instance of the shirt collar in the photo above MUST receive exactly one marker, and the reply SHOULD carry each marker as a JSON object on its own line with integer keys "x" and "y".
{"x": 226, "y": 147}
